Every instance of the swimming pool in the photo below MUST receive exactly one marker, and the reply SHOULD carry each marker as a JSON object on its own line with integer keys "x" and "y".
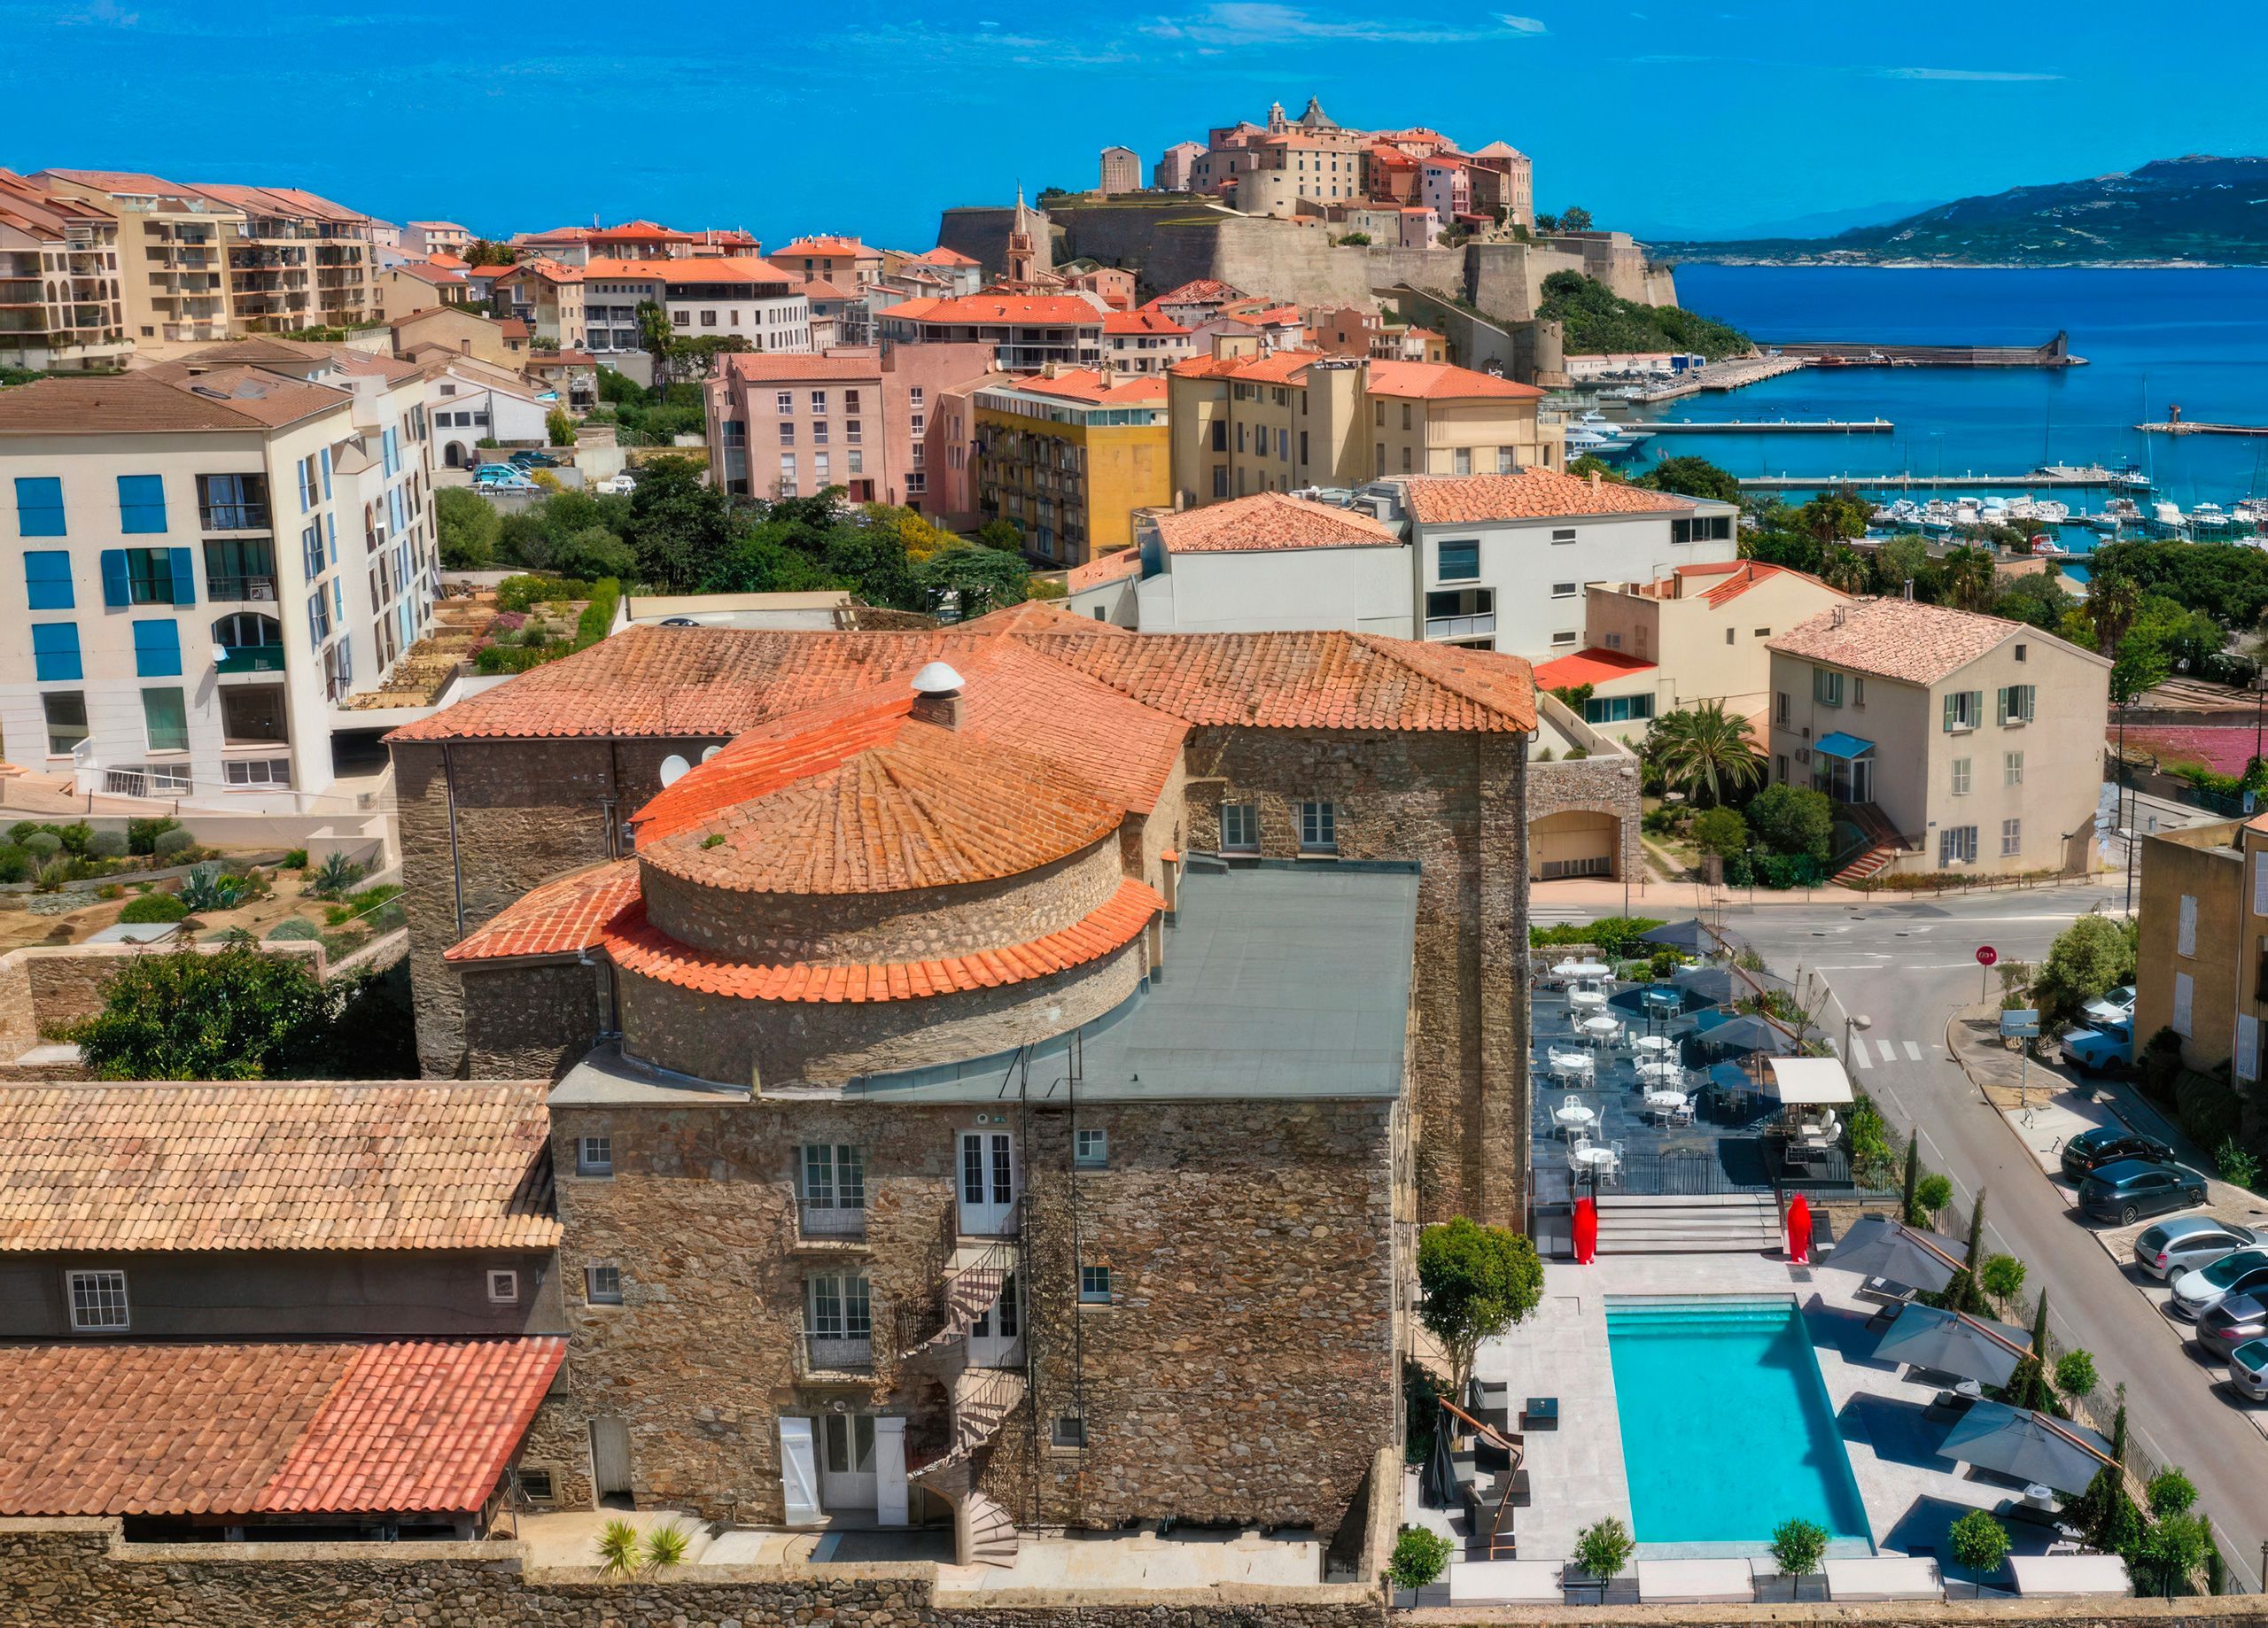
{"x": 1727, "y": 1429}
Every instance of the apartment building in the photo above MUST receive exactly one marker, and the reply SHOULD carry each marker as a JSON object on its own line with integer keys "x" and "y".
{"x": 294, "y": 260}
{"x": 1120, "y": 170}
{"x": 1171, "y": 172}
{"x": 1144, "y": 341}
{"x": 842, "y": 260}
{"x": 444, "y": 331}
{"x": 474, "y": 402}
{"x": 426, "y": 239}
{"x": 632, "y": 240}
{"x": 1965, "y": 742}
{"x": 61, "y": 305}
{"x": 211, "y": 553}
{"x": 173, "y": 269}
{"x": 1068, "y": 454}
{"x": 413, "y": 285}
{"x": 1295, "y": 419}
{"x": 549, "y": 296}
{"x": 1289, "y": 167}
{"x": 703, "y": 295}
{"x": 1027, "y": 331}
{"x": 2201, "y": 961}
{"x": 1697, "y": 634}
{"x": 886, "y": 426}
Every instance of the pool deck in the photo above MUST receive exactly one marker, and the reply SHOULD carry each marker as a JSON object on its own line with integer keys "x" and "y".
{"x": 1911, "y": 1494}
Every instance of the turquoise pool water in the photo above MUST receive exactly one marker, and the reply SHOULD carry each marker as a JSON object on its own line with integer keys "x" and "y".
{"x": 1727, "y": 1429}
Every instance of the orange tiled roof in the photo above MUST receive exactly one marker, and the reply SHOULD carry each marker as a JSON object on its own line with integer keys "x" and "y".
{"x": 1054, "y": 310}
{"x": 1196, "y": 291}
{"x": 1103, "y": 568}
{"x": 1438, "y": 381}
{"x": 1142, "y": 322}
{"x": 687, "y": 683}
{"x": 1591, "y": 666}
{"x": 694, "y": 268}
{"x": 1899, "y": 639}
{"x": 106, "y": 404}
{"x": 776, "y": 367}
{"x": 1268, "y": 522}
{"x": 642, "y": 949}
{"x": 1275, "y": 367}
{"x": 827, "y": 245}
{"x": 1273, "y": 316}
{"x": 562, "y": 918}
{"x": 1742, "y": 575}
{"x": 942, "y": 256}
{"x": 265, "y": 1428}
{"x": 249, "y": 1164}
{"x": 1086, "y": 385}
{"x": 1531, "y": 494}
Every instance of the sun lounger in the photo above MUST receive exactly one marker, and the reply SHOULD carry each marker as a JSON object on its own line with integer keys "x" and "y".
{"x": 1882, "y": 1577}
{"x": 1695, "y": 1582}
{"x": 1505, "y": 1582}
{"x": 2061, "y": 1575}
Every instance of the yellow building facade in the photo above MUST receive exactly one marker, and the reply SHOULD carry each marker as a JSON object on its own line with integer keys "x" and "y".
{"x": 1069, "y": 456}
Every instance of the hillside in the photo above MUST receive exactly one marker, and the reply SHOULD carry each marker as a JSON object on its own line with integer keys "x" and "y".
{"x": 1593, "y": 320}
{"x": 2201, "y": 209}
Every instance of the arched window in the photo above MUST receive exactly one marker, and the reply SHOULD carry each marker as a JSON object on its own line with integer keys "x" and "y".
{"x": 246, "y": 630}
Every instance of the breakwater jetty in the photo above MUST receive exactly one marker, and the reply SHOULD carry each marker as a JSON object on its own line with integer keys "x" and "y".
{"x": 2183, "y": 426}
{"x": 2035, "y": 481}
{"x": 1770, "y": 426}
{"x": 1720, "y": 375}
{"x": 2056, "y": 353}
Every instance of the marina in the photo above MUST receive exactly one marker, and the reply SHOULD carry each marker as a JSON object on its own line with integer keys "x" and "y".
{"x": 1772, "y": 426}
{"x": 2078, "y": 480}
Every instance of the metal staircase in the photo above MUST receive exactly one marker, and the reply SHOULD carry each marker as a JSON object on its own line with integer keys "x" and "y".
{"x": 1878, "y": 845}
{"x": 983, "y": 1399}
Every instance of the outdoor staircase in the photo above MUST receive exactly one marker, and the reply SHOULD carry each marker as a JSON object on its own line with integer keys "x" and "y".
{"x": 975, "y": 1278}
{"x": 982, "y": 1399}
{"x": 1883, "y": 843}
{"x": 1697, "y": 1224}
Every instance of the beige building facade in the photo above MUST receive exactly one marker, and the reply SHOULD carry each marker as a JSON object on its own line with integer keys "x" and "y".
{"x": 2201, "y": 950}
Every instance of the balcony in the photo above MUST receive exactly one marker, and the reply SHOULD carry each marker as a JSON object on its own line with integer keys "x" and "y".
{"x": 237, "y": 659}
{"x": 832, "y": 1356}
{"x": 831, "y": 1222}
{"x": 257, "y": 590}
{"x": 238, "y": 516}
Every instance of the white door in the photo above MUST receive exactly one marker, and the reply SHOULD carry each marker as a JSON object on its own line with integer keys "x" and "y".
{"x": 611, "y": 1456}
{"x": 846, "y": 1460}
{"x": 988, "y": 1181}
{"x": 997, "y": 1338}
{"x": 798, "y": 1471}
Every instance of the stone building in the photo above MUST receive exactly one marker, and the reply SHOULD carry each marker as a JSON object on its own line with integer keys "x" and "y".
{"x": 1000, "y": 1065}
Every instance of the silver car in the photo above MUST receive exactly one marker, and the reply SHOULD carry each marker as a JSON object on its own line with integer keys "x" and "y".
{"x": 2188, "y": 1241}
{"x": 2237, "y": 1321}
{"x": 2249, "y": 1370}
{"x": 2196, "y": 1293}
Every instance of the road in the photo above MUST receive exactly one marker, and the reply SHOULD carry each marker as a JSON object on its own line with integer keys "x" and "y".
{"x": 1905, "y": 965}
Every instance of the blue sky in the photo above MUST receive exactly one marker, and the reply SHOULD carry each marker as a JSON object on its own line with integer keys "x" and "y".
{"x": 862, "y": 117}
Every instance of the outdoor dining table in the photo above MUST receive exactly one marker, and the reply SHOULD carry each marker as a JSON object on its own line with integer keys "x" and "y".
{"x": 1587, "y": 997}
{"x": 1666, "y": 1071}
{"x": 1575, "y": 1117}
{"x": 1664, "y": 1101}
{"x": 1592, "y": 1158}
{"x": 1602, "y": 1026}
{"x": 1657, "y": 1045}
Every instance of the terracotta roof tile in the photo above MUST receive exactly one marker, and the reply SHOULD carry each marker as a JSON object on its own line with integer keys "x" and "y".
{"x": 1438, "y": 381}
{"x": 1142, "y": 322}
{"x": 256, "y": 1427}
{"x": 1901, "y": 639}
{"x": 942, "y": 256}
{"x": 1086, "y": 385}
{"x": 1197, "y": 292}
{"x": 562, "y": 918}
{"x": 1052, "y": 310}
{"x": 1102, "y": 568}
{"x": 1531, "y": 494}
{"x": 243, "y": 1165}
{"x": 639, "y": 947}
{"x": 241, "y": 399}
{"x": 1591, "y": 666}
{"x": 1268, "y": 522}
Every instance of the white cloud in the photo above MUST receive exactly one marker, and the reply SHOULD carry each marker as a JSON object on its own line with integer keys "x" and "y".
{"x": 1524, "y": 25}
{"x": 1267, "y": 22}
{"x": 1991, "y": 76}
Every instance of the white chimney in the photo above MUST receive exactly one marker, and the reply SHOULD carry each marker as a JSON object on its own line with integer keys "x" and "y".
{"x": 937, "y": 696}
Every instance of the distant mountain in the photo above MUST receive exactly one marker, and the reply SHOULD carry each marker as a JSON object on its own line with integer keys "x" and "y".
{"x": 1817, "y": 223}
{"x": 2199, "y": 209}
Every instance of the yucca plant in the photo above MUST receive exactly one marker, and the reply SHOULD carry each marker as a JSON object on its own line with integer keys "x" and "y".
{"x": 205, "y": 888}
{"x": 665, "y": 1546}
{"x": 619, "y": 1548}
{"x": 334, "y": 876}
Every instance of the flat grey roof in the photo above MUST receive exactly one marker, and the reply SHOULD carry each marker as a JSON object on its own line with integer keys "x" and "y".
{"x": 1281, "y": 980}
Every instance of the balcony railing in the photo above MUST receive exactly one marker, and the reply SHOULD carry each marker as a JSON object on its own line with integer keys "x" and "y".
{"x": 822, "y": 1354}
{"x": 834, "y": 1220}
{"x": 234, "y": 516}
{"x": 251, "y": 658}
{"x": 260, "y": 590}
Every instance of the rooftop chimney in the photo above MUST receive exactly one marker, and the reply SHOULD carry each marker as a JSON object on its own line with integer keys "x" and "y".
{"x": 1594, "y": 480}
{"x": 937, "y": 696}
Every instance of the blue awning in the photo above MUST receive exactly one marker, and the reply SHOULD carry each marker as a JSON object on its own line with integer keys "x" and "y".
{"x": 1840, "y": 745}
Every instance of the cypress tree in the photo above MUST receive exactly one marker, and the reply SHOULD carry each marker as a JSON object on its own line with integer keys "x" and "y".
{"x": 1912, "y": 1177}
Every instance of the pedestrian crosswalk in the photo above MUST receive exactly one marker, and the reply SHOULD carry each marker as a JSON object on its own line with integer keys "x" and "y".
{"x": 1863, "y": 1051}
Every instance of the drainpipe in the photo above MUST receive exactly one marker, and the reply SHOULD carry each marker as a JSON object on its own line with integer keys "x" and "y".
{"x": 456, "y": 864}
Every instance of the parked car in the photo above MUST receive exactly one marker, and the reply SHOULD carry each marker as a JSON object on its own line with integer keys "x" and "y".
{"x": 2237, "y": 1320}
{"x": 2173, "y": 1247}
{"x": 528, "y": 458}
{"x": 2107, "y": 1145}
{"x": 2196, "y": 1293}
{"x": 2112, "y": 1007}
{"x": 508, "y": 482}
{"x": 621, "y": 485}
{"x": 2103, "y": 1047}
{"x": 2128, "y": 1191}
{"x": 2249, "y": 1370}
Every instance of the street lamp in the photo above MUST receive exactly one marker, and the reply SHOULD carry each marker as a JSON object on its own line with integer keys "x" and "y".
{"x": 1859, "y": 1021}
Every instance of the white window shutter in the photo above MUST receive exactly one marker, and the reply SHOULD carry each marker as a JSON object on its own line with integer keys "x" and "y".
{"x": 2247, "y": 1048}
{"x": 2260, "y": 884}
{"x": 2186, "y": 944}
{"x": 2184, "y": 989}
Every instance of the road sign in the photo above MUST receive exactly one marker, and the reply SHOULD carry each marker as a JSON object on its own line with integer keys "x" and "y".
{"x": 1987, "y": 955}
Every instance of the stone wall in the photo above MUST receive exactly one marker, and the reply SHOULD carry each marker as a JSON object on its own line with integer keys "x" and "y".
{"x": 1244, "y": 1371}
{"x": 530, "y": 1020}
{"x": 1599, "y": 785}
{"x": 44, "y": 986}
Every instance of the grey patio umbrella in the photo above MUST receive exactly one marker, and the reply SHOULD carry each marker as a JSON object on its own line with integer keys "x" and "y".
{"x": 1750, "y": 1033}
{"x": 1973, "y": 1347}
{"x": 1720, "y": 984}
{"x": 2015, "y": 1441}
{"x": 1882, "y": 1247}
{"x": 1690, "y": 936}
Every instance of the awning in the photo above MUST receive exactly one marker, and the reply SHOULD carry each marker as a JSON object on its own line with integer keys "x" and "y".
{"x": 1802, "y": 1081}
{"x": 1840, "y": 745}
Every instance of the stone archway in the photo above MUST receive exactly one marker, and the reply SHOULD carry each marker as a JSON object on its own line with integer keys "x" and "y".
{"x": 453, "y": 455}
{"x": 1574, "y": 843}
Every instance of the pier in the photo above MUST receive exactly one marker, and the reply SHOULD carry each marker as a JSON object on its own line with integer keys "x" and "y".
{"x": 2032, "y": 481}
{"x": 1768, "y": 426}
{"x": 2182, "y": 426}
{"x": 2056, "y": 353}
{"x": 1720, "y": 375}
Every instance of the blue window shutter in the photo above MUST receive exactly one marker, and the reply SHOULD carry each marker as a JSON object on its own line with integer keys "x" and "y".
{"x": 157, "y": 650}
{"x": 47, "y": 579}
{"x": 55, "y": 651}
{"x": 331, "y": 535}
{"x": 116, "y": 590}
{"x": 38, "y": 504}
{"x": 315, "y": 617}
{"x": 326, "y": 474}
{"x": 337, "y": 602}
{"x": 184, "y": 577}
{"x": 141, "y": 504}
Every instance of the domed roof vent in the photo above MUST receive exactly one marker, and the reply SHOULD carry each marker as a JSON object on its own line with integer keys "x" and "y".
{"x": 937, "y": 696}
{"x": 936, "y": 679}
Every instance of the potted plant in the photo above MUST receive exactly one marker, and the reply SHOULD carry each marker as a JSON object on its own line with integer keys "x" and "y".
{"x": 1980, "y": 1543}
{"x": 1419, "y": 1557}
{"x": 1797, "y": 1547}
{"x": 1603, "y": 1552}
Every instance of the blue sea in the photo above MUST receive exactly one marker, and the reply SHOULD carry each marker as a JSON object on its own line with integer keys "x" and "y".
{"x": 2151, "y": 338}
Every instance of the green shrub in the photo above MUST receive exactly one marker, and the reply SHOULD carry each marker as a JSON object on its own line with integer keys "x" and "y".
{"x": 1604, "y": 1550}
{"x": 296, "y": 859}
{"x": 206, "y": 888}
{"x": 1797, "y": 1547}
{"x": 1793, "y": 820}
{"x": 2075, "y": 1374}
{"x": 1616, "y": 937}
{"x": 142, "y": 835}
{"x": 169, "y": 844}
{"x": 107, "y": 845}
{"x": 2209, "y": 1110}
{"x": 1980, "y": 1543}
{"x": 1419, "y": 1557}
{"x": 1719, "y": 830}
{"x": 15, "y": 862}
{"x": 110, "y": 890}
{"x": 334, "y": 876}
{"x": 525, "y": 592}
{"x": 2233, "y": 1163}
{"x": 21, "y": 829}
{"x": 153, "y": 907}
{"x": 1933, "y": 1192}
{"x": 292, "y": 929}
{"x": 75, "y": 836}
{"x": 43, "y": 844}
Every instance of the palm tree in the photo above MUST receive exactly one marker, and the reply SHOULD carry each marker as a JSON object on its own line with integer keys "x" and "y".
{"x": 2114, "y": 601}
{"x": 1705, "y": 753}
{"x": 1967, "y": 578}
{"x": 1844, "y": 571}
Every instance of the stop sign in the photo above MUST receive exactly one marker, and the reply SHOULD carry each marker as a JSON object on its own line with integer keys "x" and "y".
{"x": 1987, "y": 955}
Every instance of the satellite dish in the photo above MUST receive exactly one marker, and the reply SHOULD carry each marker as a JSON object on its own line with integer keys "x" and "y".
{"x": 708, "y": 752}
{"x": 672, "y": 766}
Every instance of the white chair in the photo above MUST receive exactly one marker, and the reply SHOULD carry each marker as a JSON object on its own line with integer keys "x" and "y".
{"x": 1682, "y": 1114}
{"x": 1614, "y": 1164}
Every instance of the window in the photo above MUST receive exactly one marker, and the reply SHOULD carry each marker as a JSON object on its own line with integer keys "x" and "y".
{"x": 503, "y": 1288}
{"x": 1827, "y": 686}
{"x": 47, "y": 579}
{"x": 595, "y": 1155}
{"x": 258, "y": 772}
{"x": 536, "y": 1485}
{"x": 818, "y": 433}
{"x": 835, "y": 1188}
{"x": 708, "y": 319}
{"x": 2011, "y": 838}
{"x": 254, "y": 715}
{"x": 1094, "y": 1285}
{"x": 1506, "y": 464}
{"x": 2016, "y": 703}
{"x": 602, "y": 1286}
{"x": 838, "y": 1307}
{"x": 39, "y": 506}
{"x": 915, "y": 397}
{"x": 2020, "y": 652}
{"x": 819, "y": 401}
{"x": 1702, "y": 529}
{"x": 66, "y": 720}
{"x": 1405, "y": 460}
{"x": 1964, "y": 710}
{"x": 1405, "y": 415}
{"x": 1319, "y": 827}
{"x": 1461, "y": 460}
{"x": 1460, "y": 613}
{"x": 1617, "y": 708}
{"x": 1069, "y": 1430}
{"x": 784, "y": 402}
{"x": 55, "y": 651}
{"x": 141, "y": 504}
{"x": 1779, "y": 768}
{"x": 2012, "y": 767}
{"x": 849, "y": 1443}
{"x": 1857, "y": 685}
{"x": 1956, "y": 845}
{"x": 147, "y": 576}
{"x": 97, "y": 1302}
{"x": 1564, "y": 534}
{"x": 1240, "y": 827}
{"x": 164, "y": 717}
{"x": 157, "y": 648}
{"x": 1458, "y": 562}
{"x": 1961, "y": 777}
{"x": 1563, "y": 590}
{"x": 2185, "y": 998}
{"x": 1091, "y": 1149}
{"x": 1728, "y": 635}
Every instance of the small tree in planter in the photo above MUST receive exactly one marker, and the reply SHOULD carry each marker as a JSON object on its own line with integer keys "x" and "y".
{"x": 1476, "y": 1282}
{"x": 1420, "y": 1554}
{"x": 1603, "y": 1551}
{"x": 2075, "y": 1376}
{"x": 1797, "y": 1547}
{"x": 1932, "y": 1193}
{"x": 2001, "y": 1278}
{"x": 1980, "y": 1544}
